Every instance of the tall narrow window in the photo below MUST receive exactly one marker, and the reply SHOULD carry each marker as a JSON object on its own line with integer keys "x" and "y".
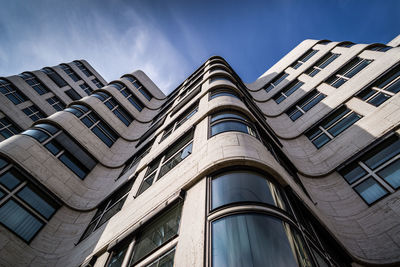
{"x": 305, "y": 104}
{"x": 306, "y": 56}
{"x": 7, "y": 127}
{"x": 377, "y": 172}
{"x": 167, "y": 161}
{"x": 129, "y": 95}
{"x": 287, "y": 91}
{"x": 71, "y": 93}
{"x": 34, "y": 113}
{"x": 55, "y": 77}
{"x": 331, "y": 126}
{"x": 34, "y": 82}
{"x": 108, "y": 208}
{"x": 63, "y": 147}
{"x": 140, "y": 87}
{"x": 104, "y": 132}
{"x": 382, "y": 89}
{"x": 97, "y": 83}
{"x": 11, "y": 92}
{"x": 67, "y": 69}
{"x": 56, "y": 103}
{"x": 347, "y": 71}
{"x": 24, "y": 208}
{"x": 115, "y": 107}
{"x": 231, "y": 121}
{"x": 321, "y": 64}
{"x": 86, "y": 88}
{"x": 277, "y": 80}
{"x": 82, "y": 67}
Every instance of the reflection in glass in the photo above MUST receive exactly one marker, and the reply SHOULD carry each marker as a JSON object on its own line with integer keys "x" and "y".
{"x": 256, "y": 240}
{"x": 244, "y": 186}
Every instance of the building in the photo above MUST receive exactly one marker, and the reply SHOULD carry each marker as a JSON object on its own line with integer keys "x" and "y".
{"x": 299, "y": 168}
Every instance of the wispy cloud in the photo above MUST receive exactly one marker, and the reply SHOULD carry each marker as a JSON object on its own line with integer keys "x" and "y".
{"x": 112, "y": 48}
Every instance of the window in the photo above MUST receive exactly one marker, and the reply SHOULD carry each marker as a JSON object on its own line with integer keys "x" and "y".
{"x": 136, "y": 158}
{"x": 37, "y": 85}
{"x": 346, "y": 44}
{"x": 381, "y": 48}
{"x": 377, "y": 172}
{"x": 97, "y": 83}
{"x": 255, "y": 239}
{"x": 277, "y": 80}
{"x": 34, "y": 113}
{"x": 382, "y": 89}
{"x": 304, "y": 104}
{"x": 86, "y": 88}
{"x": 179, "y": 150}
{"x": 244, "y": 186}
{"x": 148, "y": 239}
{"x": 63, "y": 147}
{"x": 108, "y": 208}
{"x": 7, "y": 127}
{"x": 223, "y": 92}
{"x": 55, "y": 77}
{"x": 331, "y": 126}
{"x": 128, "y": 95}
{"x": 67, "y": 69}
{"x": 287, "y": 91}
{"x": 82, "y": 67}
{"x": 73, "y": 94}
{"x": 24, "y": 208}
{"x": 231, "y": 121}
{"x": 11, "y": 92}
{"x": 220, "y": 78}
{"x": 321, "y": 64}
{"x": 304, "y": 58}
{"x": 157, "y": 233}
{"x": 140, "y": 87}
{"x": 56, "y": 103}
{"x": 187, "y": 114}
{"x": 192, "y": 85}
{"x": 104, "y": 132}
{"x": 347, "y": 71}
{"x": 115, "y": 107}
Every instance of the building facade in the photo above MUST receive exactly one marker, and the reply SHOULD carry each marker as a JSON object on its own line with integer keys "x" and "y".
{"x": 299, "y": 168}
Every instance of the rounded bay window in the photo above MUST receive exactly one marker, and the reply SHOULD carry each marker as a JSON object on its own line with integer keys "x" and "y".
{"x": 231, "y": 121}
{"x": 223, "y": 92}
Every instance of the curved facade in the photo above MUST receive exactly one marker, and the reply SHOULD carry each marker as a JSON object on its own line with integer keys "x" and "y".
{"x": 299, "y": 168}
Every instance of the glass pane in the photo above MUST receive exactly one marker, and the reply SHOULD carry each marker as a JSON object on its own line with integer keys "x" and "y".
{"x": 36, "y": 201}
{"x": 157, "y": 233}
{"x": 321, "y": 140}
{"x": 226, "y": 115}
{"x": 255, "y": 240}
{"x": 334, "y": 117}
{"x": 269, "y": 88}
{"x": 329, "y": 60}
{"x": 370, "y": 190}
{"x": 53, "y": 147}
{"x": 387, "y": 78}
{"x": 280, "y": 98}
{"x": 313, "y": 102}
{"x": 339, "y": 82}
{"x": 382, "y": 153}
{"x": 365, "y": 94}
{"x": 353, "y": 172}
{"x": 40, "y": 136}
{"x": 394, "y": 88}
{"x": 378, "y": 99}
{"x": 344, "y": 124}
{"x": 118, "y": 257}
{"x": 166, "y": 260}
{"x": 175, "y": 160}
{"x": 10, "y": 179}
{"x": 111, "y": 211}
{"x": 242, "y": 186}
{"x": 228, "y": 126}
{"x": 48, "y": 127}
{"x": 292, "y": 89}
{"x": 311, "y": 134}
{"x": 18, "y": 220}
{"x": 73, "y": 165}
{"x": 280, "y": 78}
{"x": 146, "y": 183}
{"x": 358, "y": 68}
{"x": 391, "y": 174}
{"x": 106, "y": 140}
{"x": 314, "y": 72}
{"x": 296, "y": 115}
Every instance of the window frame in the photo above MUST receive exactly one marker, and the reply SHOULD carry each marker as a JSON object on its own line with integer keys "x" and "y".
{"x": 11, "y": 124}
{"x": 139, "y": 86}
{"x": 303, "y": 58}
{"x": 71, "y": 73}
{"x": 83, "y": 68}
{"x": 304, "y": 101}
{"x": 34, "y": 113}
{"x": 35, "y": 83}
{"x": 12, "y": 92}
{"x": 321, "y": 64}
{"x": 56, "y": 102}
{"x": 129, "y": 95}
{"x": 214, "y": 93}
{"x": 252, "y": 129}
{"x": 275, "y": 81}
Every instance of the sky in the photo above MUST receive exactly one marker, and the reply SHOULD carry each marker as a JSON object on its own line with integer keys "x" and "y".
{"x": 169, "y": 39}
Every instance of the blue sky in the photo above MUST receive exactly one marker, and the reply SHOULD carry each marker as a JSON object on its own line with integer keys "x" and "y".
{"x": 170, "y": 39}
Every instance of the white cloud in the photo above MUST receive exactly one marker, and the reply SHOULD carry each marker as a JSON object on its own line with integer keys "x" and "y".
{"x": 112, "y": 50}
